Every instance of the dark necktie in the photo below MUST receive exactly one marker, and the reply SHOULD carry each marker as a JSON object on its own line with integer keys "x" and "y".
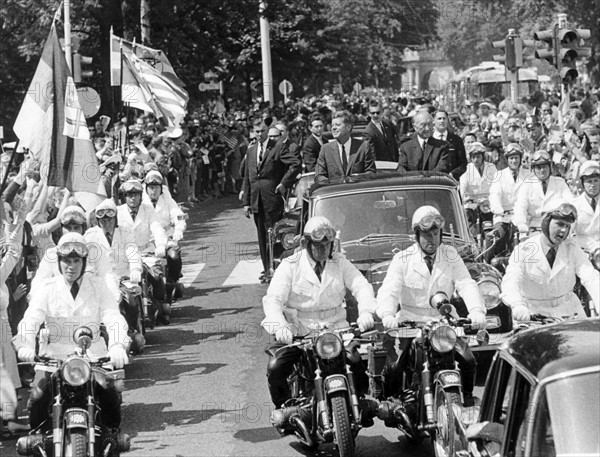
{"x": 593, "y": 203}
{"x": 429, "y": 262}
{"x": 154, "y": 202}
{"x": 344, "y": 160}
{"x": 108, "y": 238}
{"x": 74, "y": 290}
{"x": 319, "y": 269}
{"x": 514, "y": 173}
{"x": 544, "y": 186}
{"x": 260, "y": 153}
{"x": 133, "y": 214}
{"x": 550, "y": 256}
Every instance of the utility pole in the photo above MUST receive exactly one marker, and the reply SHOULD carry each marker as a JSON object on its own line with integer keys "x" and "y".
{"x": 265, "y": 47}
{"x": 145, "y": 21}
{"x": 68, "y": 51}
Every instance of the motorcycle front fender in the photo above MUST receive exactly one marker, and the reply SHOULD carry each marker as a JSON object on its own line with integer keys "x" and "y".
{"x": 335, "y": 383}
{"x": 76, "y": 418}
{"x": 448, "y": 378}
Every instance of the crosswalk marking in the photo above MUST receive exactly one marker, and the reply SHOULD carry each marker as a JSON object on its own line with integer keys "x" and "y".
{"x": 245, "y": 272}
{"x": 190, "y": 272}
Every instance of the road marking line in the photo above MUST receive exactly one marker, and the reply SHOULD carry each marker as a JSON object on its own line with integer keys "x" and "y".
{"x": 245, "y": 272}
{"x": 190, "y": 273}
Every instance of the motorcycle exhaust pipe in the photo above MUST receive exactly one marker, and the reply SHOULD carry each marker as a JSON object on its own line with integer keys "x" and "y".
{"x": 32, "y": 445}
{"x": 280, "y": 418}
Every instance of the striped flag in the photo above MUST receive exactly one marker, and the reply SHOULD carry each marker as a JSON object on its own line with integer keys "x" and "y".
{"x": 134, "y": 90}
{"x": 169, "y": 102}
{"x": 51, "y": 124}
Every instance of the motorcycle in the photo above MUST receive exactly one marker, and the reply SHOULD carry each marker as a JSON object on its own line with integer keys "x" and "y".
{"x": 132, "y": 308}
{"x": 74, "y": 428}
{"x": 580, "y": 290}
{"x": 480, "y": 218}
{"x": 153, "y": 288}
{"x": 431, "y": 398}
{"x": 324, "y": 405}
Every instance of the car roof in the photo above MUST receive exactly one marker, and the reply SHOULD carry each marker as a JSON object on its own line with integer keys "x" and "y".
{"x": 558, "y": 348}
{"x": 376, "y": 180}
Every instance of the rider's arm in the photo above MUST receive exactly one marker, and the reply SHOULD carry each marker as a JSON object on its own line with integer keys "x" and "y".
{"x": 388, "y": 297}
{"x": 496, "y": 195}
{"x": 111, "y": 317}
{"x": 176, "y": 215}
{"x": 589, "y": 276}
{"x": 465, "y": 285}
{"x": 520, "y": 210}
{"x": 33, "y": 318}
{"x": 464, "y": 186}
{"x": 512, "y": 280}
{"x": 158, "y": 232}
{"x": 277, "y": 296}
{"x": 132, "y": 252}
{"x": 359, "y": 286}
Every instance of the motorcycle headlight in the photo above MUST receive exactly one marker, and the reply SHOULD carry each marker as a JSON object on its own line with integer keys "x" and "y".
{"x": 76, "y": 371}
{"x": 328, "y": 346}
{"x": 443, "y": 338}
{"x": 490, "y": 292}
{"x": 595, "y": 258}
{"x": 288, "y": 241}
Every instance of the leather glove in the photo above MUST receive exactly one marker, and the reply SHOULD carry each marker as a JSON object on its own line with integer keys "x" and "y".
{"x": 477, "y": 319}
{"x": 135, "y": 276}
{"x": 284, "y": 335}
{"x": 26, "y": 354}
{"x": 521, "y": 313}
{"x": 365, "y": 321}
{"x": 118, "y": 356}
{"x": 177, "y": 235}
{"x": 160, "y": 251}
{"x": 389, "y": 321}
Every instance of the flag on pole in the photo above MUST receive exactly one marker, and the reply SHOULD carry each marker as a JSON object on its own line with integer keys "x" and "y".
{"x": 51, "y": 124}
{"x": 134, "y": 91}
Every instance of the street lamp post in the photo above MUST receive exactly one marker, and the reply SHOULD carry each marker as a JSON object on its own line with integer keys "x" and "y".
{"x": 265, "y": 47}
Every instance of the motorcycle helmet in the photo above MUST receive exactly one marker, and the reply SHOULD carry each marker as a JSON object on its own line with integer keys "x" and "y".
{"x": 319, "y": 229}
{"x": 425, "y": 218}
{"x": 540, "y": 157}
{"x": 106, "y": 209}
{"x": 590, "y": 169}
{"x": 132, "y": 186}
{"x": 475, "y": 148}
{"x": 72, "y": 244}
{"x": 562, "y": 211}
{"x": 154, "y": 177}
{"x": 513, "y": 149}
{"x": 74, "y": 215}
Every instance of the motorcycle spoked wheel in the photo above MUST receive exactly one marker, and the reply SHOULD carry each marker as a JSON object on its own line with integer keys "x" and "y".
{"x": 447, "y": 406}
{"x": 342, "y": 431}
{"x": 151, "y": 316}
{"x": 75, "y": 443}
{"x": 141, "y": 321}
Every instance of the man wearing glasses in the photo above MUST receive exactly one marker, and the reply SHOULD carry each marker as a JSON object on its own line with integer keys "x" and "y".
{"x": 312, "y": 144}
{"x": 380, "y": 135}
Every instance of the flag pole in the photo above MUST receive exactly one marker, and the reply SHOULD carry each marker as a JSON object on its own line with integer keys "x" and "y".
{"x": 10, "y": 162}
{"x": 68, "y": 50}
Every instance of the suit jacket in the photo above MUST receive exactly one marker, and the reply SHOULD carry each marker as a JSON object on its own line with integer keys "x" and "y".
{"x": 278, "y": 166}
{"x": 329, "y": 164}
{"x": 433, "y": 158}
{"x": 457, "y": 157}
{"x": 385, "y": 145}
{"x": 310, "y": 152}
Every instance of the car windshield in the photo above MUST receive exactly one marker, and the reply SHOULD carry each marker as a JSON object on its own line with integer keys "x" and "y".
{"x": 378, "y": 214}
{"x": 567, "y": 418}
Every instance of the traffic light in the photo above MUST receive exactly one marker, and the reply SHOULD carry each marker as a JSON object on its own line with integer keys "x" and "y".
{"x": 548, "y": 37}
{"x": 568, "y": 41}
{"x": 513, "y": 50}
{"x": 80, "y": 74}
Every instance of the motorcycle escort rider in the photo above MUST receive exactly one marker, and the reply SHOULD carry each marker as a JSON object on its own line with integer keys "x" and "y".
{"x": 307, "y": 293}
{"x": 503, "y": 192}
{"x": 537, "y": 193}
{"x": 142, "y": 220}
{"x": 64, "y": 302}
{"x": 476, "y": 181}
{"x": 542, "y": 270}
{"x": 172, "y": 219}
{"x": 414, "y": 275}
{"x": 586, "y": 229}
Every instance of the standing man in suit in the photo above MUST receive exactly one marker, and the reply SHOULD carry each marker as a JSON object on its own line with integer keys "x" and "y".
{"x": 457, "y": 157}
{"x": 345, "y": 155}
{"x": 312, "y": 144}
{"x": 422, "y": 152}
{"x": 380, "y": 135}
{"x": 270, "y": 169}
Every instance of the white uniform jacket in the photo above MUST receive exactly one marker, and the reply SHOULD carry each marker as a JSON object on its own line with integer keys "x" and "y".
{"x": 474, "y": 186}
{"x": 503, "y": 193}
{"x": 169, "y": 214}
{"x": 146, "y": 227}
{"x": 529, "y": 280}
{"x": 96, "y": 264}
{"x": 531, "y": 201}
{"x": 53, "y": 304}
{"x": 124, "y": 255}
{"x": 296, "y": 296}
{"x": 409, "y": 284}
{"x": 587, "y": 227}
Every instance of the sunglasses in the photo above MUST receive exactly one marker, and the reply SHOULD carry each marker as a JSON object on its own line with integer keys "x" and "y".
{"x": 375, "y": 112}
{"x": 109, "y": 212}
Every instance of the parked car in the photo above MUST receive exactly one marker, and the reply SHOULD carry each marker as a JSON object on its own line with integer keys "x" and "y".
{"x": 373, "y": 215}
{"x": 541, "y": 395}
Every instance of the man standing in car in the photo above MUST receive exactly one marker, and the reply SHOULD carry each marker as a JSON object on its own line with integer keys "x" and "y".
{"x": 312, "y": 144}
{"x": 422, "y": 152}
{"x": 457, "y": 158}
{"x": 380, "y": 135}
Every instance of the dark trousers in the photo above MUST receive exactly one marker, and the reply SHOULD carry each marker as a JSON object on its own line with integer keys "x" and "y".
{"x": 281, "y": 365}
{"x": 396, "y": 364}
{"x": 264, "y": 220}
{"x": 40, "y": 400}
{"x": 174, "y": 264}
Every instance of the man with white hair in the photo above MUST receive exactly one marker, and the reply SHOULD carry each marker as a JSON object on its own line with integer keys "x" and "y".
{"x": 422, "y": 151}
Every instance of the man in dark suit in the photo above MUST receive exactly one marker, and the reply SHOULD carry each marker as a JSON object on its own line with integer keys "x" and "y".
{"x": 422, "y": 152}
{"x": 457, "y": 157}
{"x": 381, "y": 136}
{"x": 345, "y": 155}
{"x": 312, "y": 144}
{"x": 270, "y": 169}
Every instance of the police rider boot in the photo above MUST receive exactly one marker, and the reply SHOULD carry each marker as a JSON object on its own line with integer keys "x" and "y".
{"x": 280, "y": 418}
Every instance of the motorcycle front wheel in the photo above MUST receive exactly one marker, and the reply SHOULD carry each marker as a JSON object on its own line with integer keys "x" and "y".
{"x": 341, "y": 425}
{"x": 75, "y": 443}
{"x": 448, "y": 412}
